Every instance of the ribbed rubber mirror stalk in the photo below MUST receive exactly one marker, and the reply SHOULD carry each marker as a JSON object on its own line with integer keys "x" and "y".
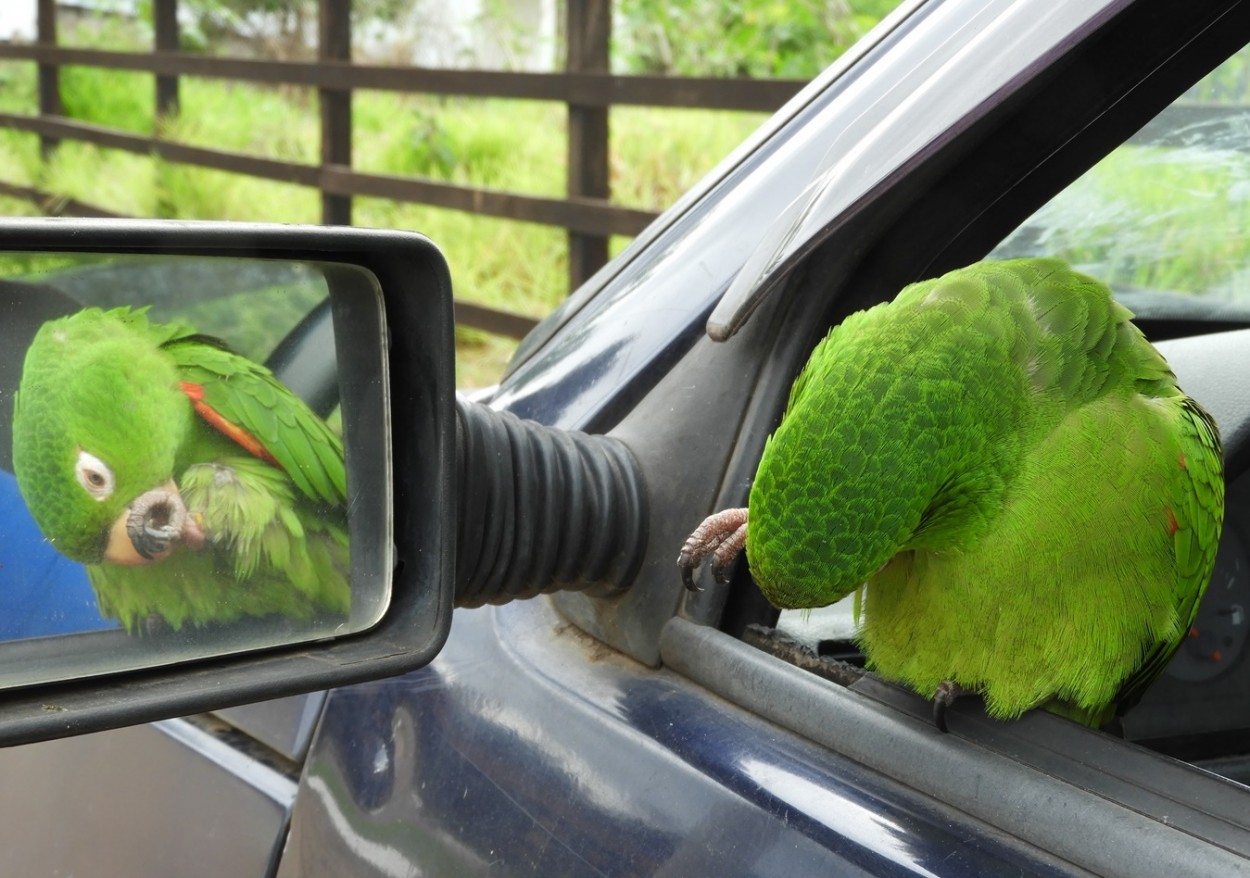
{"x": 542, "y": 509}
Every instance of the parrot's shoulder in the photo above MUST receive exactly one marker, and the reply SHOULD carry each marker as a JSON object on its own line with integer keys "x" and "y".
{"x": 841, "y": 349}
{"x": 1041, "y": 333}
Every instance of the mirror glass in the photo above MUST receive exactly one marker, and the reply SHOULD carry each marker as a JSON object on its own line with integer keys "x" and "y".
{"x": 180, "y": 447}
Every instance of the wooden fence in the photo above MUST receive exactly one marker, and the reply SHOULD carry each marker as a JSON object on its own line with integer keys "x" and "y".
{"x": 586, "y": 86}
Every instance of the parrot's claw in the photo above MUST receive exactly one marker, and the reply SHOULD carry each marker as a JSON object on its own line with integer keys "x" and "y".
{"x": 722, "y": 535}
{"x": 944, "y": 697}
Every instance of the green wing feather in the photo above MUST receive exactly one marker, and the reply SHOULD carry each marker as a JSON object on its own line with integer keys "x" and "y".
{"x": 248, "y": 395}
{"x": 1197, "y": 505}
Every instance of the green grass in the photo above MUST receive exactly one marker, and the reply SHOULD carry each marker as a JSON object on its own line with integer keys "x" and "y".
{"x": 512, "y": 146}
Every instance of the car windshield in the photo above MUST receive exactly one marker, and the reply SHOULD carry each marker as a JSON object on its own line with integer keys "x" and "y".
{"x": 1163, "y": 218}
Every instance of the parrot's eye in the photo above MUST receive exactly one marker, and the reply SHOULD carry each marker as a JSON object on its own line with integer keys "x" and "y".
{"x": 94, "y": 475}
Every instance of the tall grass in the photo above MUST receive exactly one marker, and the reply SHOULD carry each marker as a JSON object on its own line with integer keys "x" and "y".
{"x": 515, "y": 146}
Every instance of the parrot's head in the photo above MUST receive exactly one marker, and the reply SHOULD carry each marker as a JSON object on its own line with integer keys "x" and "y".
{"x": 97, "y": 425}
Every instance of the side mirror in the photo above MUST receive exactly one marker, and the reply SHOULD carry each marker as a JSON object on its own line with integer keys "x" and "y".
{"x": 229, "y": 472}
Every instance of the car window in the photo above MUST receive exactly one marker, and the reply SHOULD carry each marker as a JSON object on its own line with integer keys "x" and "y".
{"x": 1164, "y": 214}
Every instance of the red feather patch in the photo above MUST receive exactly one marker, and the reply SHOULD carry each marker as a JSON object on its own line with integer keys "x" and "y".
{"x": 229, "y": 429}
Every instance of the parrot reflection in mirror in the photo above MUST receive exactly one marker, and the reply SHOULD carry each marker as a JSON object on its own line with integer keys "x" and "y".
{"x": 195, "y": 487}
{"x": 1004, "y": 471}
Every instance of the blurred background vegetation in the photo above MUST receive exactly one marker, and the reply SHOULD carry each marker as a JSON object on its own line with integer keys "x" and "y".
{"x": 512, "y": 145}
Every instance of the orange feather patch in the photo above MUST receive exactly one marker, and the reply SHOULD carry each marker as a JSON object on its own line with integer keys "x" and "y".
{"x": 229, "y": 429}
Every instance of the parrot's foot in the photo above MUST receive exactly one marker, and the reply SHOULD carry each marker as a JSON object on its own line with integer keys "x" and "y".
{"x": 944, "y": 697}
{"x": 721, "y": 535}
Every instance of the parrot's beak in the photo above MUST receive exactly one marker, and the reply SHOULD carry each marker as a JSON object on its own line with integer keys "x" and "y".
{"x": 152, "y": 527}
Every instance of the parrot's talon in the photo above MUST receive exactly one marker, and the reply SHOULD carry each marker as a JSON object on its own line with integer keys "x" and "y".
{"x": 944, "y": 697}
{"x": 688, "y": 565}
{"x": 721, "y": 535}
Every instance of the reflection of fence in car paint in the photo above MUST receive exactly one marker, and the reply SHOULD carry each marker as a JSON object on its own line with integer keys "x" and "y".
{"x": 586, "y": 86}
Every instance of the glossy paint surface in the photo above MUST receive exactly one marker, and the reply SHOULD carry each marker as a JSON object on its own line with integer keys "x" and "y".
{"x": 530, "y": 749}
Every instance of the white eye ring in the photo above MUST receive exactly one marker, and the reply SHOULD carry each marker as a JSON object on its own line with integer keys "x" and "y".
{"x": 94, "y": 475}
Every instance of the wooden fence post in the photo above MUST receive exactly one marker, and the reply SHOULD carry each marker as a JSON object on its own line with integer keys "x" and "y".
{"x": 49, "y": 74}
{"x": 335, "y": 44}
{"x": 165, "y": 23}
{"x": 589, "y": 33}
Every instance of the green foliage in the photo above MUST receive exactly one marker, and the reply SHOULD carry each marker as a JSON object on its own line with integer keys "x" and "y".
{"x": 278, "y": 27}
{"x": 657, "y": 154}
{"x": 117, "y": 33}
{"x": 471, "y": 142}
{"x": 386, "y": 10}
{"x": 756, "y": 38}
{"x": 114, "y": 98}
{"x": 275, "y": 123}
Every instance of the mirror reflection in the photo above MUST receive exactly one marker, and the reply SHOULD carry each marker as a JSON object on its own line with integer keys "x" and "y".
{"x": 173, "y": 475}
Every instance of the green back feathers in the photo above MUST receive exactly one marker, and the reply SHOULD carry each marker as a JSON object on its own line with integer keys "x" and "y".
{"x": 924, "y": 406}
{"x": 1196, "y": 513}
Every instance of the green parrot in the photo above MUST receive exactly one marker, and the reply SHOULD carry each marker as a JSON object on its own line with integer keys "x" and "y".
{"x": 1007, "y": 475}
{"x": 195, "y": 487}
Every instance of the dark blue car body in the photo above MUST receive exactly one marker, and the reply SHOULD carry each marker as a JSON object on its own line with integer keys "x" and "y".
{"x": 635, "y": 733}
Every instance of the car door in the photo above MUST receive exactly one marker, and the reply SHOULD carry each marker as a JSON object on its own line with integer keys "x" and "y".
{"x": 658, "y": 732}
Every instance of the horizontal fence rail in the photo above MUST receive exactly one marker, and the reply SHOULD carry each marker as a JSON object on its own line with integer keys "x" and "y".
{"x": 581, "y": 214}
{"x": 586, "y": 213}
{"x": 586, "y": 89}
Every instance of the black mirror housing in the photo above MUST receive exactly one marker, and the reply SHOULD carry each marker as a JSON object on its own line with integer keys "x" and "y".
{"x": 416, "y": 419}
